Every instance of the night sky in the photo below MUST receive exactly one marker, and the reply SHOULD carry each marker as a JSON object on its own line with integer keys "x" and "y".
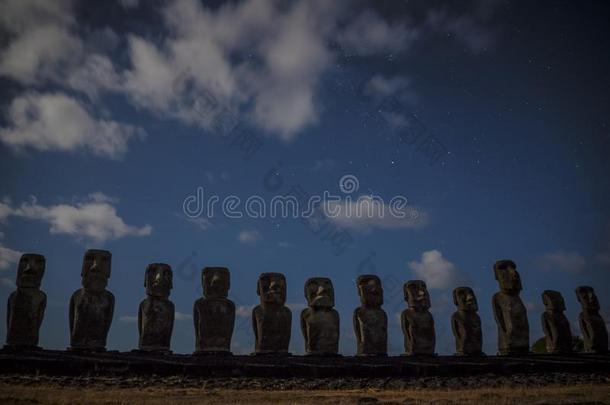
{"x": 492, "y": 118}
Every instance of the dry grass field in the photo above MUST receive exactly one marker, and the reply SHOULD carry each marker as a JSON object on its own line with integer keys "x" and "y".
{"x": 49, "y": 394}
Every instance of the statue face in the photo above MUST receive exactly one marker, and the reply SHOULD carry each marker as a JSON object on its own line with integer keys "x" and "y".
{"x": 465, "y": 300}
{"x": 319, "y": 292}
{"x": 416, "y": 294}
{"x": 587, "y": 298}
{"x": 30, "y": 270}
{"x": 272, "y": 288}
{"x": 216, "y": 282}
{"x": 553, "y": 301}
{"x": 370, "y": 290}
{"x": 158, "y": 280}
{"x": 96, "y": 270}
{"x": 507, "y": 276}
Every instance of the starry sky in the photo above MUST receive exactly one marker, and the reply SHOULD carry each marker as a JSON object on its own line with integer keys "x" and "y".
{"x": 490, "y": 117}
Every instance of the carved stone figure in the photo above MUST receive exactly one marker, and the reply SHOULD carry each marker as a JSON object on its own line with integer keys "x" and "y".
{"x": 26, "y": 305}
{"x": 555, "y": 325}
{"x": 92, "y": 307}
{"x": 509, "y": 312}
{"x": 320, "y": 321}
{"x": 214, "y": 313}
{"x": 156, "y": 313}
{"x": 370, "y": 320}
{"x": 416, "y": 321}
{"x": 592, "y": 325}
{"x": 466, "y": 323}
{"x": 271, "y": 320}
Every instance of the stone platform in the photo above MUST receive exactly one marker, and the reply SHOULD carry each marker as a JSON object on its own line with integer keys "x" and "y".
{"x": 63, "y": 363}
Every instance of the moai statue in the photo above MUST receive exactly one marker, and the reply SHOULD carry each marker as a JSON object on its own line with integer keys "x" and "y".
{"x": 92, "y": 307}
{"x": 555, "y": 325}
{"x": 271, "y": 320}
{"x": 509, "y": 311}
{"x": 26, "y": 305}
{"x": 156, "y": 313}
{"x": 466, "y": 323}
{"x": 214, "y": 313}
{"x": 320, "y": 321}
{"x": 370, "y": 320}
{"x": 592, "y": 325}
{"x": 417, "y": 321}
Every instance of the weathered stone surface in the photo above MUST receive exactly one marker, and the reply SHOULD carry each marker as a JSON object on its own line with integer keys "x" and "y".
{"x": 466, "y": 323}
{"x": 26, "y": 305}
{"x": 156, "y": 313}
{"x": 417, "y": 321}
{"x": 320, "y": 321}
{"x": 509, "y": 312}
{"x": 370, "y": 320}
{"x": 271, "y": 320}
{"x": 92, "y": 307}
{"x": 214, "y": 314}
{"x": 555, "y": 325}
{"x": 592, "y": 325}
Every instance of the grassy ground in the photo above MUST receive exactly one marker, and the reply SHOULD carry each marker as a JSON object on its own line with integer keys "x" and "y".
{"x": 49, "y": 394}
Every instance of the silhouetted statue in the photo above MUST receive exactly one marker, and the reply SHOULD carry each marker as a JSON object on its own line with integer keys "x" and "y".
{"x": 370, "y": 320}
{"x": 26, "y": 305}
{"x": 466, "y": 323}
{"x": 555, "y": 325}
{"x": 592, "y": 325}
{"x": 214, "y": 314}
{"x": 320, "y": 322}
{"x": 416, "y": 321}
{"x": 509, "y": 311}
{"x": 271, "y": 320}
{"x": 156, "y": 313}
{"x": 92, "y": 307}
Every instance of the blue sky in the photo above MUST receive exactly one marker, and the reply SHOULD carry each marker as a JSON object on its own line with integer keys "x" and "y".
{"x": 110, "y": 119}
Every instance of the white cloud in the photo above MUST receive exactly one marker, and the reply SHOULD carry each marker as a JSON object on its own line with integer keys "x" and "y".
{"x": 249, "y": 236}
{"x": 366, "y": 213}
{"x": 569, "y": 262}
{"x": 94, "y": 219}
{"x": 369, "y": 34}
{"x": 8, "y": 257}
{"x": 179, "y": 316}
{"x": 58, "y": 122}
{"x": 244, "y": 311}
{"x": 436, "y": 271}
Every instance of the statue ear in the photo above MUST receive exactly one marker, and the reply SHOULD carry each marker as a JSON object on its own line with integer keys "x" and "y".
{"x": 455, "y": 297}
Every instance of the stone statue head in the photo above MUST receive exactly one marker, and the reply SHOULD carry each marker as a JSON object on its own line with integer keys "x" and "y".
{"x": 30, "y": 270}
{"x": 553, "y": 301}
{"x": 370, "y": 290}
{"x": 508, "y": 277}
{"x": 465, "y": 300}
{"x": 216, "y": 282}
{"x": 96, "y": 270}
{"x": 587, "y": 298}
{"x": 416, "y": 294}
{"x": 158, "y": 280}
{"x": 319, "y": 292}
{"x": 271, "y": 287}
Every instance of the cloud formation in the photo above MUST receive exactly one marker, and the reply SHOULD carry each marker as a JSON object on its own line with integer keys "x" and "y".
{"x": 8, "y": 257}
{"x": 436, "y": 271}
{"x": 249, "y": 236}
{"x": 94, "y": 219}
{"x": 367, "y": 213}
{"x": 58, "y": 122}
{"x": 568, "y": 262}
